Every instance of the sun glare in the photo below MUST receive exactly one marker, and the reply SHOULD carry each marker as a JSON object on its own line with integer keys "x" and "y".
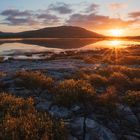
{"x": 116, "y": 32}
{"x": 115, "y": 42}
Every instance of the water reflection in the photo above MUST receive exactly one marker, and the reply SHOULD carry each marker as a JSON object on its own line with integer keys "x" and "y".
{"x": 112, "y": 44}
{"x": 115, "y": 43}
{"x": 30, "y": 46}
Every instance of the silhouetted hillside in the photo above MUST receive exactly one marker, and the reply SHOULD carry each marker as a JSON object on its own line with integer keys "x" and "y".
{"x": 54, "y": 32}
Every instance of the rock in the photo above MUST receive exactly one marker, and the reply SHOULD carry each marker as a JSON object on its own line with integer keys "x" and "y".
{"x": 76, "y": 126}
{"x": 46, "y": 96}
{"x": 43, "y": 106}
{"x": 94, "y": 130}
{"x": 127, "y": 114}
{"x": 100, "y": 90}
{"x": 128, "y": 137}
{"x": 72, "y": 138}
{"x": 60, "y": 112}
{"x": 77, "y": 109}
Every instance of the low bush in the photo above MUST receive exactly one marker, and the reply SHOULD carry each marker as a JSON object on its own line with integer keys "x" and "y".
{"x": 135, "y": 84}
{"x": 1, "y": 59}
{"x": 97, "y": 80}
{"x": 72, "y": 91}
{"x": 19, "y": 120}
{"x": 119, "y": 80}
{"x": 109, "y": 101}
{"x": 132, "y": 98}
{"x": 2, "y": 74}
{"x": 35, "y": 82}
{"x": 130, "y": 60}
{"x": 130, "y": 72}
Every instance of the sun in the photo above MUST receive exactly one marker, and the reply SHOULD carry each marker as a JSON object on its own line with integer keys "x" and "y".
{"x": 116, "y": 32}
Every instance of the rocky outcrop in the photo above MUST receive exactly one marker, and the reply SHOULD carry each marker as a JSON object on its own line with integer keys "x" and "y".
{"x": 93, "y": 130}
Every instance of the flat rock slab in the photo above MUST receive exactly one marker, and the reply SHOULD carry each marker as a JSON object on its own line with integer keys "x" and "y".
{"x": 70, "y": 64}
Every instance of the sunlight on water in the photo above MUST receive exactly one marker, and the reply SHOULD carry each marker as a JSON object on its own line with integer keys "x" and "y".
{"x": 20, "y": 50}
{"x": 112, "y": 44}
{"x": 115, "y": 43}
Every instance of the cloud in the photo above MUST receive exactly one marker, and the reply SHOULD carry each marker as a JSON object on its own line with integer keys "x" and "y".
{"x": 15, "y": 13}
{"x": 116, "y": 6}
{"x": 134, "y": 14}
{"x": 61, "y": 8}
{"x": 92, "y": 7}
{"x": 19, "y": 21}
{"x": 94, "y": 21}
{"x": 17, "y": 17}
{"x": 47, "y": 18}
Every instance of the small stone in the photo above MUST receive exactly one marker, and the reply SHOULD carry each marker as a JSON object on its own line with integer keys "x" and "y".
{"x": 43, "y": 106}
{"x": 60, "y": 112}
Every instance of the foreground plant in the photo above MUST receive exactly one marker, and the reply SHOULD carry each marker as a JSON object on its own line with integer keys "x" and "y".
{"x": 35, "y": 82}
{"x": 132, "y": 98}
{"x": 19, "y": 120}
{"x": 72, "y": 91}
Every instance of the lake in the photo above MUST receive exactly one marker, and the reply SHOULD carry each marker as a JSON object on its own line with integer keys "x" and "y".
{"x": 33, "y": 48}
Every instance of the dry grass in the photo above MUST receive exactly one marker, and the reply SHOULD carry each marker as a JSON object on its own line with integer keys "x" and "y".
{"x": 132, "y": 98}
{"x": 72, "y": 91}
{"x": 108, "y": 101}
{"x": 97, "y": 80}
{"x": 35, "y": 82}
{"x": 119, "y": 80}
{"x": 20, "y": 120}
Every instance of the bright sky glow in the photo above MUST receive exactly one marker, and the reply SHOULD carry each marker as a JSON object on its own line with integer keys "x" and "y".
{"x": 100, "y": 16}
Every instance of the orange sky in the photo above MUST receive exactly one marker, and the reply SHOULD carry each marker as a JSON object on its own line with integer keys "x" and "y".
{"x": 96, "y": 15}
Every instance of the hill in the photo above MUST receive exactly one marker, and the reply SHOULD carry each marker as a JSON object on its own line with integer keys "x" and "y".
{"x": 54, "y": 32}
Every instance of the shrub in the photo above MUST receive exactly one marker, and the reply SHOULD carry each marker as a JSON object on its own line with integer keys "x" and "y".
{"x": 119, "y": 80}
{"x": 72, "y": 91}
{"x": 90, "y": 60}
{"x": 109, "y": 100}
{"x": 35, "y": 82}
{"x": 130, "y": 72}
{"x": 135, "y": 83}
{"x": 104, "y": 72}
{"x": 10, "y": 104}
{"x": 97, "y": 80}
{"x": 132, "y": 98}
{"x": 79, "y": 75}
{"x": 1, "y": 59}
{"x": 130, "y": 60}
{"x": 20, "y": 120}
{"x": 2, "y": 74}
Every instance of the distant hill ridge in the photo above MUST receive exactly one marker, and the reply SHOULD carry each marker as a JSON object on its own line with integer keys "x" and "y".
{"x": 54, "y": 32}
